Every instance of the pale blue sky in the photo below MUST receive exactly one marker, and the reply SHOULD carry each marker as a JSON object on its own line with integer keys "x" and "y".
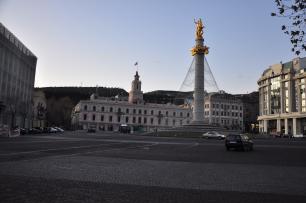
{"x": 97, "y": 42}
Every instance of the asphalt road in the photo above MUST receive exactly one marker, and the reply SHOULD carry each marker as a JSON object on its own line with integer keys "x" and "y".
{"x": 81, "y": 167}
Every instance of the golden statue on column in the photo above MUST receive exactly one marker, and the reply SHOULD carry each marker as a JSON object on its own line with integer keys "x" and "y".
{"x": 199, "y": 48}
{"x": 199, "y": 29}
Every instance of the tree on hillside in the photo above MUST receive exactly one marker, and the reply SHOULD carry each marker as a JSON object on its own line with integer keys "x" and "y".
{"x": 295, "y": 11}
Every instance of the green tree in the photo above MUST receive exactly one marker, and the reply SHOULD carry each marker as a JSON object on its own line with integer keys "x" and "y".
{"x": 295, "y": 11}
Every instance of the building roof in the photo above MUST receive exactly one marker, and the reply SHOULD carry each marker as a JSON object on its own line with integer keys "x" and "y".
{"x": 15, "y": 41}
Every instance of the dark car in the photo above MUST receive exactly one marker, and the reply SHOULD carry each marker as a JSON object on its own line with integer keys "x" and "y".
{"x": 236, "y": 141}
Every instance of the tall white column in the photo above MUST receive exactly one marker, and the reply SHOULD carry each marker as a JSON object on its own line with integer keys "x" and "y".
{"x": 198, "y": 110}
{"x": 286, "y": 126}
{"x": 278, "y": 125}
{"x": 265, "y": 124}
{"x": 294, "y": 126}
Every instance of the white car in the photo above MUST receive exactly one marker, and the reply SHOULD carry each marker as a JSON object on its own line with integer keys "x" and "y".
{"x": 214, "y": 135}
{"x": 59, "y": 129}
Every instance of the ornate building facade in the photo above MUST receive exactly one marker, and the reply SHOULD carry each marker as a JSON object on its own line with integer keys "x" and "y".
{"x": 17, "y": 75}
{"x": 224, "y": 110}
{"x": 282, "y": 98}
{"x": 109, "y": 114}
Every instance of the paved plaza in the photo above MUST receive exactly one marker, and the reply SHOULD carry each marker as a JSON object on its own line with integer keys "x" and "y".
{"x": 110, "y": 167}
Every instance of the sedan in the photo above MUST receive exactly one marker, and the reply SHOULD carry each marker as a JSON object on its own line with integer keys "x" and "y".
{"x": 236, "y": 141}
{"x": 213, "y": 135}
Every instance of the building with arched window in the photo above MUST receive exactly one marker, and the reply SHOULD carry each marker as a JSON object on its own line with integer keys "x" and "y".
{"x": 110, "y": 113}
{"x": 282, "y": 98}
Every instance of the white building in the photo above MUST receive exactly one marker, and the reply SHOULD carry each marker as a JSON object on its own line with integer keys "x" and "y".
{"x": 223, "y": 109}
{"x": 282, "y": 98}
{"x": 110, "y": 113}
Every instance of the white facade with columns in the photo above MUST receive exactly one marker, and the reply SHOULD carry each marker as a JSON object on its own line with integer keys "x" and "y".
{"x": 108, "y": 114}
{"x": 282, "y": 98}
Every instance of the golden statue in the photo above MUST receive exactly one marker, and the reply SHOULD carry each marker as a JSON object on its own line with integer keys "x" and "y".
{"x": 199, "y": 29}
{"x": 199, "y": 48}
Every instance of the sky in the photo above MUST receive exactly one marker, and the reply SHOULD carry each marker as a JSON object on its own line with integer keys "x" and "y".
{"x": 97, "y": 42}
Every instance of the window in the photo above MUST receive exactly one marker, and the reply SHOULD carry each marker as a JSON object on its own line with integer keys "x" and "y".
{"x": 144, "y": 120}
{"x": 152, "y": 120}
{"x": 145, "y": 112}
{"x": 94, "y": 108}
{"x": 181, "y": 114}
{"x": 118, "y": 119}
{"x": 127, "y": 119}
{"x": 173, "y": 122}
{"x": 119, "y": 110}
{"x": 134, "y": 119}
{"x": 93, "y": 117}
{"x": 275, "y": 95}
{"x": 110, "y": 118}
{"x": 139, "y": 119}
{"x": 85, "y": 107}
{"x": 102, "y": 108}
{"x": 187, "y": 114}
{"x": 174, "y": 114}
{"x": 127, "y": 110}
{"x": 166, "y": 113}
{"x": 111, "y": 109}
{"x": 139, "y": 111}
{"x": 102, "y": 117}
{"x": 152, "y": 112}
{"x": 134, "y": 111}
{"x": 85, "y": 117}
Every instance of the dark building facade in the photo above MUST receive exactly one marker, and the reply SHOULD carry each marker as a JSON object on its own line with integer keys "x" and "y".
{"x": 250, "y": 111}
{"x": 17, "y": 76}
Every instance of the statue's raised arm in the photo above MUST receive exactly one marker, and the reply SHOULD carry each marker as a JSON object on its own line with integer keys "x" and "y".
{"x": 199, "y": 29}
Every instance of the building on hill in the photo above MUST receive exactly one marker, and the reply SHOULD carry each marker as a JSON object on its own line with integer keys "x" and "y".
{"x": 110, "y": 113}
{"x": 223, "y": 109}
{"x": 17, "y": 76}
{"x": 282, "y": 98}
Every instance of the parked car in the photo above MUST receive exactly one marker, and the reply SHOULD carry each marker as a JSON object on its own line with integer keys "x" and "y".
{"x": 60, "y": 130}
{"x": 213, "y": 135}
{"x": 236, "y": 141}
{"x": 23, "y": 131}
{"x": 52, "y": 130}
{"x": 35, "y": 131}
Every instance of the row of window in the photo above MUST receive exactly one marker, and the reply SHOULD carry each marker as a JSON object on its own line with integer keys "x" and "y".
{"x": 224, "y": 106}
{"x": 216, "y": 113}
{"x": 133, "y": 120}
{"x": 140, "y": 111}
{"x": 226, "y": 122}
